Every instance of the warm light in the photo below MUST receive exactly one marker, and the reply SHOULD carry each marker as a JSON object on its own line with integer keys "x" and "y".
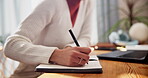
{"x": 59, "y": 75}
{"x": 132, "y": 75}
{"x": 1, "y": 48}
{"x": 92, "y": 49}
{"x": 122, "y": 48}
{"x": 96, "y": 47}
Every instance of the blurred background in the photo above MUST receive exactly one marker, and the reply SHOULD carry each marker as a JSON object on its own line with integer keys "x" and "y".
{"x": 114, "y": 21}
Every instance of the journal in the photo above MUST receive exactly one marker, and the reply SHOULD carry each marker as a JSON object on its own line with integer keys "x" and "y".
{"x": 93, "y": 66}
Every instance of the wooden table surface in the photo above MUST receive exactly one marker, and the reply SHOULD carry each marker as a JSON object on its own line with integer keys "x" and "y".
{"x": 111, "y": 69}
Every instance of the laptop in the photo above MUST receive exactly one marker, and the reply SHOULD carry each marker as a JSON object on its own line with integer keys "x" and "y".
{"x": 133, "y": 54}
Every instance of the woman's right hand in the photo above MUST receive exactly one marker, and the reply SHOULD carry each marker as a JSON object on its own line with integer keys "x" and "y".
{"x": 71, "y": 56}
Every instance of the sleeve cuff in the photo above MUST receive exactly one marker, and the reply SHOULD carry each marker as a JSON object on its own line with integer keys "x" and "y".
{"x": 46, "y": 54}
{"x": 71, "y": 45}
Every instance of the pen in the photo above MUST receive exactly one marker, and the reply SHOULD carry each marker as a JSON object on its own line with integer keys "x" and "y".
{"x": 74, "y": 38}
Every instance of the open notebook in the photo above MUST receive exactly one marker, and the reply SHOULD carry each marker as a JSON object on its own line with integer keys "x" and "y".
{"x": 93, "y": 66}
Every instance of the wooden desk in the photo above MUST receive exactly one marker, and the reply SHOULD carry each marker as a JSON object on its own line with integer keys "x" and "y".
{"x": 111, "y": 69}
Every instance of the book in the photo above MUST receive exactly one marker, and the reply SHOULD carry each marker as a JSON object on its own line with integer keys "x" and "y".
{"x": 93, "y": 66}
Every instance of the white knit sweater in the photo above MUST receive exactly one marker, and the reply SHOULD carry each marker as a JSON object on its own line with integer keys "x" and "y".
{"x": 44, "y": 30}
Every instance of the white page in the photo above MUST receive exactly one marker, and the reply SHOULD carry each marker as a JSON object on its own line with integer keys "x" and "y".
{"x": 90, "y": 65}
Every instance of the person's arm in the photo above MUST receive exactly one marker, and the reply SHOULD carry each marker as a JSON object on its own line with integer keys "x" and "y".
{"x": 84, "y": 37}
{"x": 20, "y": 46}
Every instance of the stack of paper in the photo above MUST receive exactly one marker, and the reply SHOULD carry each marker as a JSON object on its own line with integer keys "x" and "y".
{"x": 137, "y": 47}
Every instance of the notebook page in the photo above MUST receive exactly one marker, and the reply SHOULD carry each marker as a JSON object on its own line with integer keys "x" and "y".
{"x": 91, "y": 65}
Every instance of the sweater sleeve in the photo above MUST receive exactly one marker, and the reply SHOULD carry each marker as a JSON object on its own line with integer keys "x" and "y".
{"x": 20, "y": 46}
{"x": 84, "y": 37}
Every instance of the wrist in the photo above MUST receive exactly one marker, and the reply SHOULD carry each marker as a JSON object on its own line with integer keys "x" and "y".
{"x": 53, "y": 57}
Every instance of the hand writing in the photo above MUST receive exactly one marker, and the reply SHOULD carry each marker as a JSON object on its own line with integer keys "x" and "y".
{"x": 71, "y": 56}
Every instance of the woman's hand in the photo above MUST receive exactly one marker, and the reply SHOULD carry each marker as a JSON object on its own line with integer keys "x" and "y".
{"x": 71, "y": 56}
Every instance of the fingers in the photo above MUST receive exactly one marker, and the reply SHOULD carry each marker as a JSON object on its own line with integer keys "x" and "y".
{"x": 82, "y": 55}
{"x": 84, "y": 50}
{"x": 78, "y": 62}
{"x": 80, "y": 58}
{"x": 82, "y": 62}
